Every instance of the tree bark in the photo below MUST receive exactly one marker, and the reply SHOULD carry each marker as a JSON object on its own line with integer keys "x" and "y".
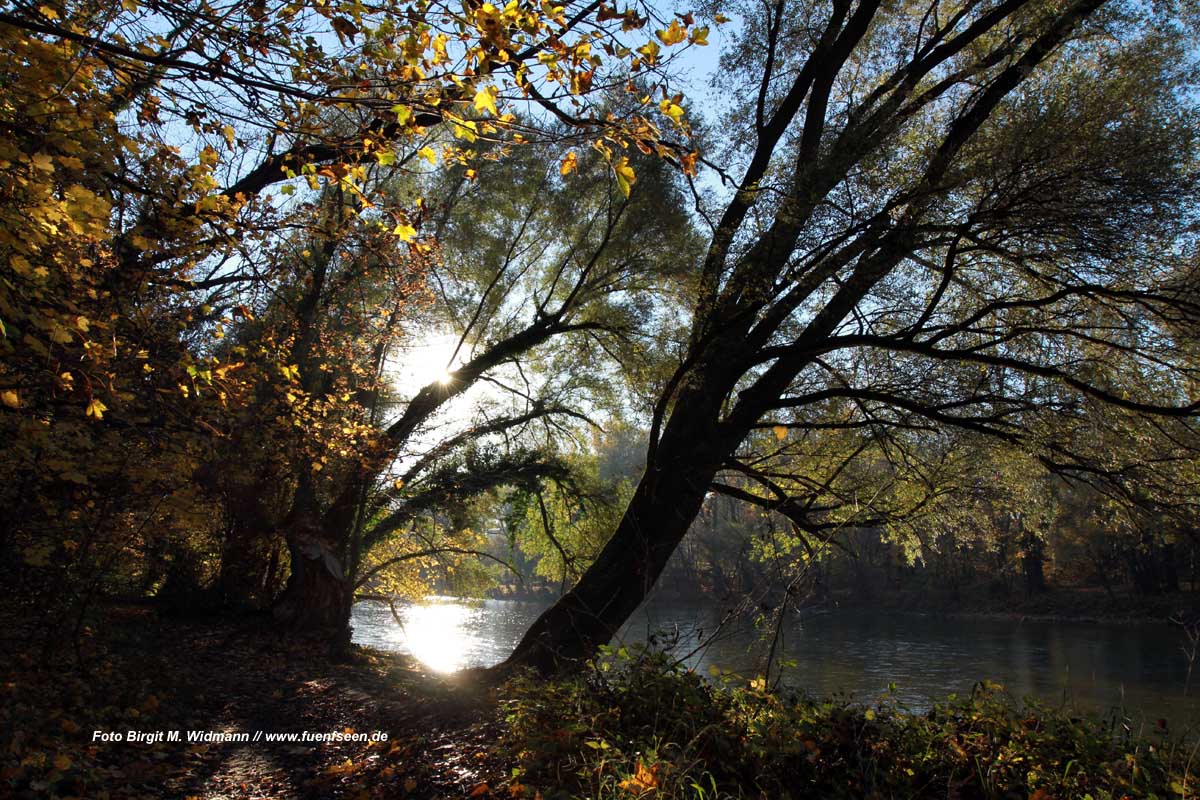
{"x": 667, "y": 499}
{"x": 316, "y": 596}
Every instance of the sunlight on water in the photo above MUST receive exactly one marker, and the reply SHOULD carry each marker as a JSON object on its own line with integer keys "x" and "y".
{"x": 437, "y": 635}
{"x": 1096, "y": 668}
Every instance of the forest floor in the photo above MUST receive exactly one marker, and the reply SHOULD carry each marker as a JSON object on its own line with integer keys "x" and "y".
{"x": 146, "y": 674}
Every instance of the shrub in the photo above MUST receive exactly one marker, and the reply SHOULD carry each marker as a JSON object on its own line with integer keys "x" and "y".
{"x": 638, "y": 724}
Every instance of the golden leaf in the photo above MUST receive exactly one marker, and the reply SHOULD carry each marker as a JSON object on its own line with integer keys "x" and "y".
{"x": 672, "y": 110}
{"x": 96, "y": 409}
{"x": 688, "y": 163}
{"x": 644, "y": 779}
{"x": 485, "y": 100}
{"x": 780, "y": 432}
{"x": 672, "y": 35}
{"x": 650, "y": 51}
{"x": 569, "y": 164}
{"x": 625, "y": 175}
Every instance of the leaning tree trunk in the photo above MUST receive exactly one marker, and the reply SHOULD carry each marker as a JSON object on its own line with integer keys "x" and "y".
{"x": 667, "y": 499}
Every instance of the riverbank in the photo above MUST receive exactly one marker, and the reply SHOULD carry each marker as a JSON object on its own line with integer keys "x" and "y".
{"x": 642, "y": 728}
{"x": 1055, "y": 604}
{"x": 1087, "y": 604}
{"x": 381, "y": 726}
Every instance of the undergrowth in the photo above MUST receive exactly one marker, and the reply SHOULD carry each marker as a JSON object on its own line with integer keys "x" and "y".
{"x": 636, "y": 725}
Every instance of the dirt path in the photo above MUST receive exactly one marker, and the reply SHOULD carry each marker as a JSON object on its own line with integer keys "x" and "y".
{"x": 426, "y": 737}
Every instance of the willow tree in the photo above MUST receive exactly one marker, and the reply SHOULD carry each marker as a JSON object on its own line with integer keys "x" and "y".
{"x": 966, "y": 214}
{"x": 527, "y": 268}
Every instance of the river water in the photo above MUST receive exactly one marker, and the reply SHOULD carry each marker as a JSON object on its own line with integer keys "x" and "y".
{"x": 1138, "y": 671}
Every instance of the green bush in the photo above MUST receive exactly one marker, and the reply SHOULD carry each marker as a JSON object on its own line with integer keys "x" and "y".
{"x": 639, "y": 725}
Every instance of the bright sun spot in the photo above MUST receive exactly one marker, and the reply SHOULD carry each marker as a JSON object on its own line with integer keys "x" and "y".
{"x": 436, "y": 635}
{"x": 425, "y": 360}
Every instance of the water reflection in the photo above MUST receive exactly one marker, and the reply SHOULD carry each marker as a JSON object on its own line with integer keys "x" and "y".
{"x": 1095, "y": 668}
{"x": 436, "y": 635}
{"x": 446, "y": 634}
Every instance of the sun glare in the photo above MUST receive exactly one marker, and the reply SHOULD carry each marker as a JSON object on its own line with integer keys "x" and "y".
{"x": 425, "y": 360}
{"x": 436, "y": 635}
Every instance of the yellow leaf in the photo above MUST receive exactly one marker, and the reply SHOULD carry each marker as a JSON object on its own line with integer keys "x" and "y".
{"x": 43, "y": 162}
{"x": 569, "y": 164}
{"x": 672, "y": 35}
{"x": 672, "y": 110}
{"x": 464, "y": 129}
{"x": 428, "y": 154}
{"x": 485, "y": 100}
{"x": 405, "y": 231}
{"x": 10, "y": 398}
{"x": 625, "y": 175}
{"x": 699, "y": 37}
{"x": 230, "y": 134}
{"x": 96, "y": 409}
{"x": 48, "y": 12}
{"x": 650, "y": 51}
{"x": 643, "y": 779}
{"x": 780, "y": 432}
{"x": 439, "y": 49}
{"x": 343, "y": 768}
{"x": 62, "y": 762}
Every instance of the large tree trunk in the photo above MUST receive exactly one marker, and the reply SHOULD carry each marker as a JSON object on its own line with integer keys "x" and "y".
{"x": 317, "y": 595}
{"x": 667, "y": 499}
{"x": 315, "y": 598}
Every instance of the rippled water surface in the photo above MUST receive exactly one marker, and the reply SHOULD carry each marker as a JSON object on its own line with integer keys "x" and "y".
{"x": 1094, "y": 667}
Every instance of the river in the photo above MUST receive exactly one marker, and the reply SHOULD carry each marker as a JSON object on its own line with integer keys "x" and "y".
{"x": 1138, "y": 671}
